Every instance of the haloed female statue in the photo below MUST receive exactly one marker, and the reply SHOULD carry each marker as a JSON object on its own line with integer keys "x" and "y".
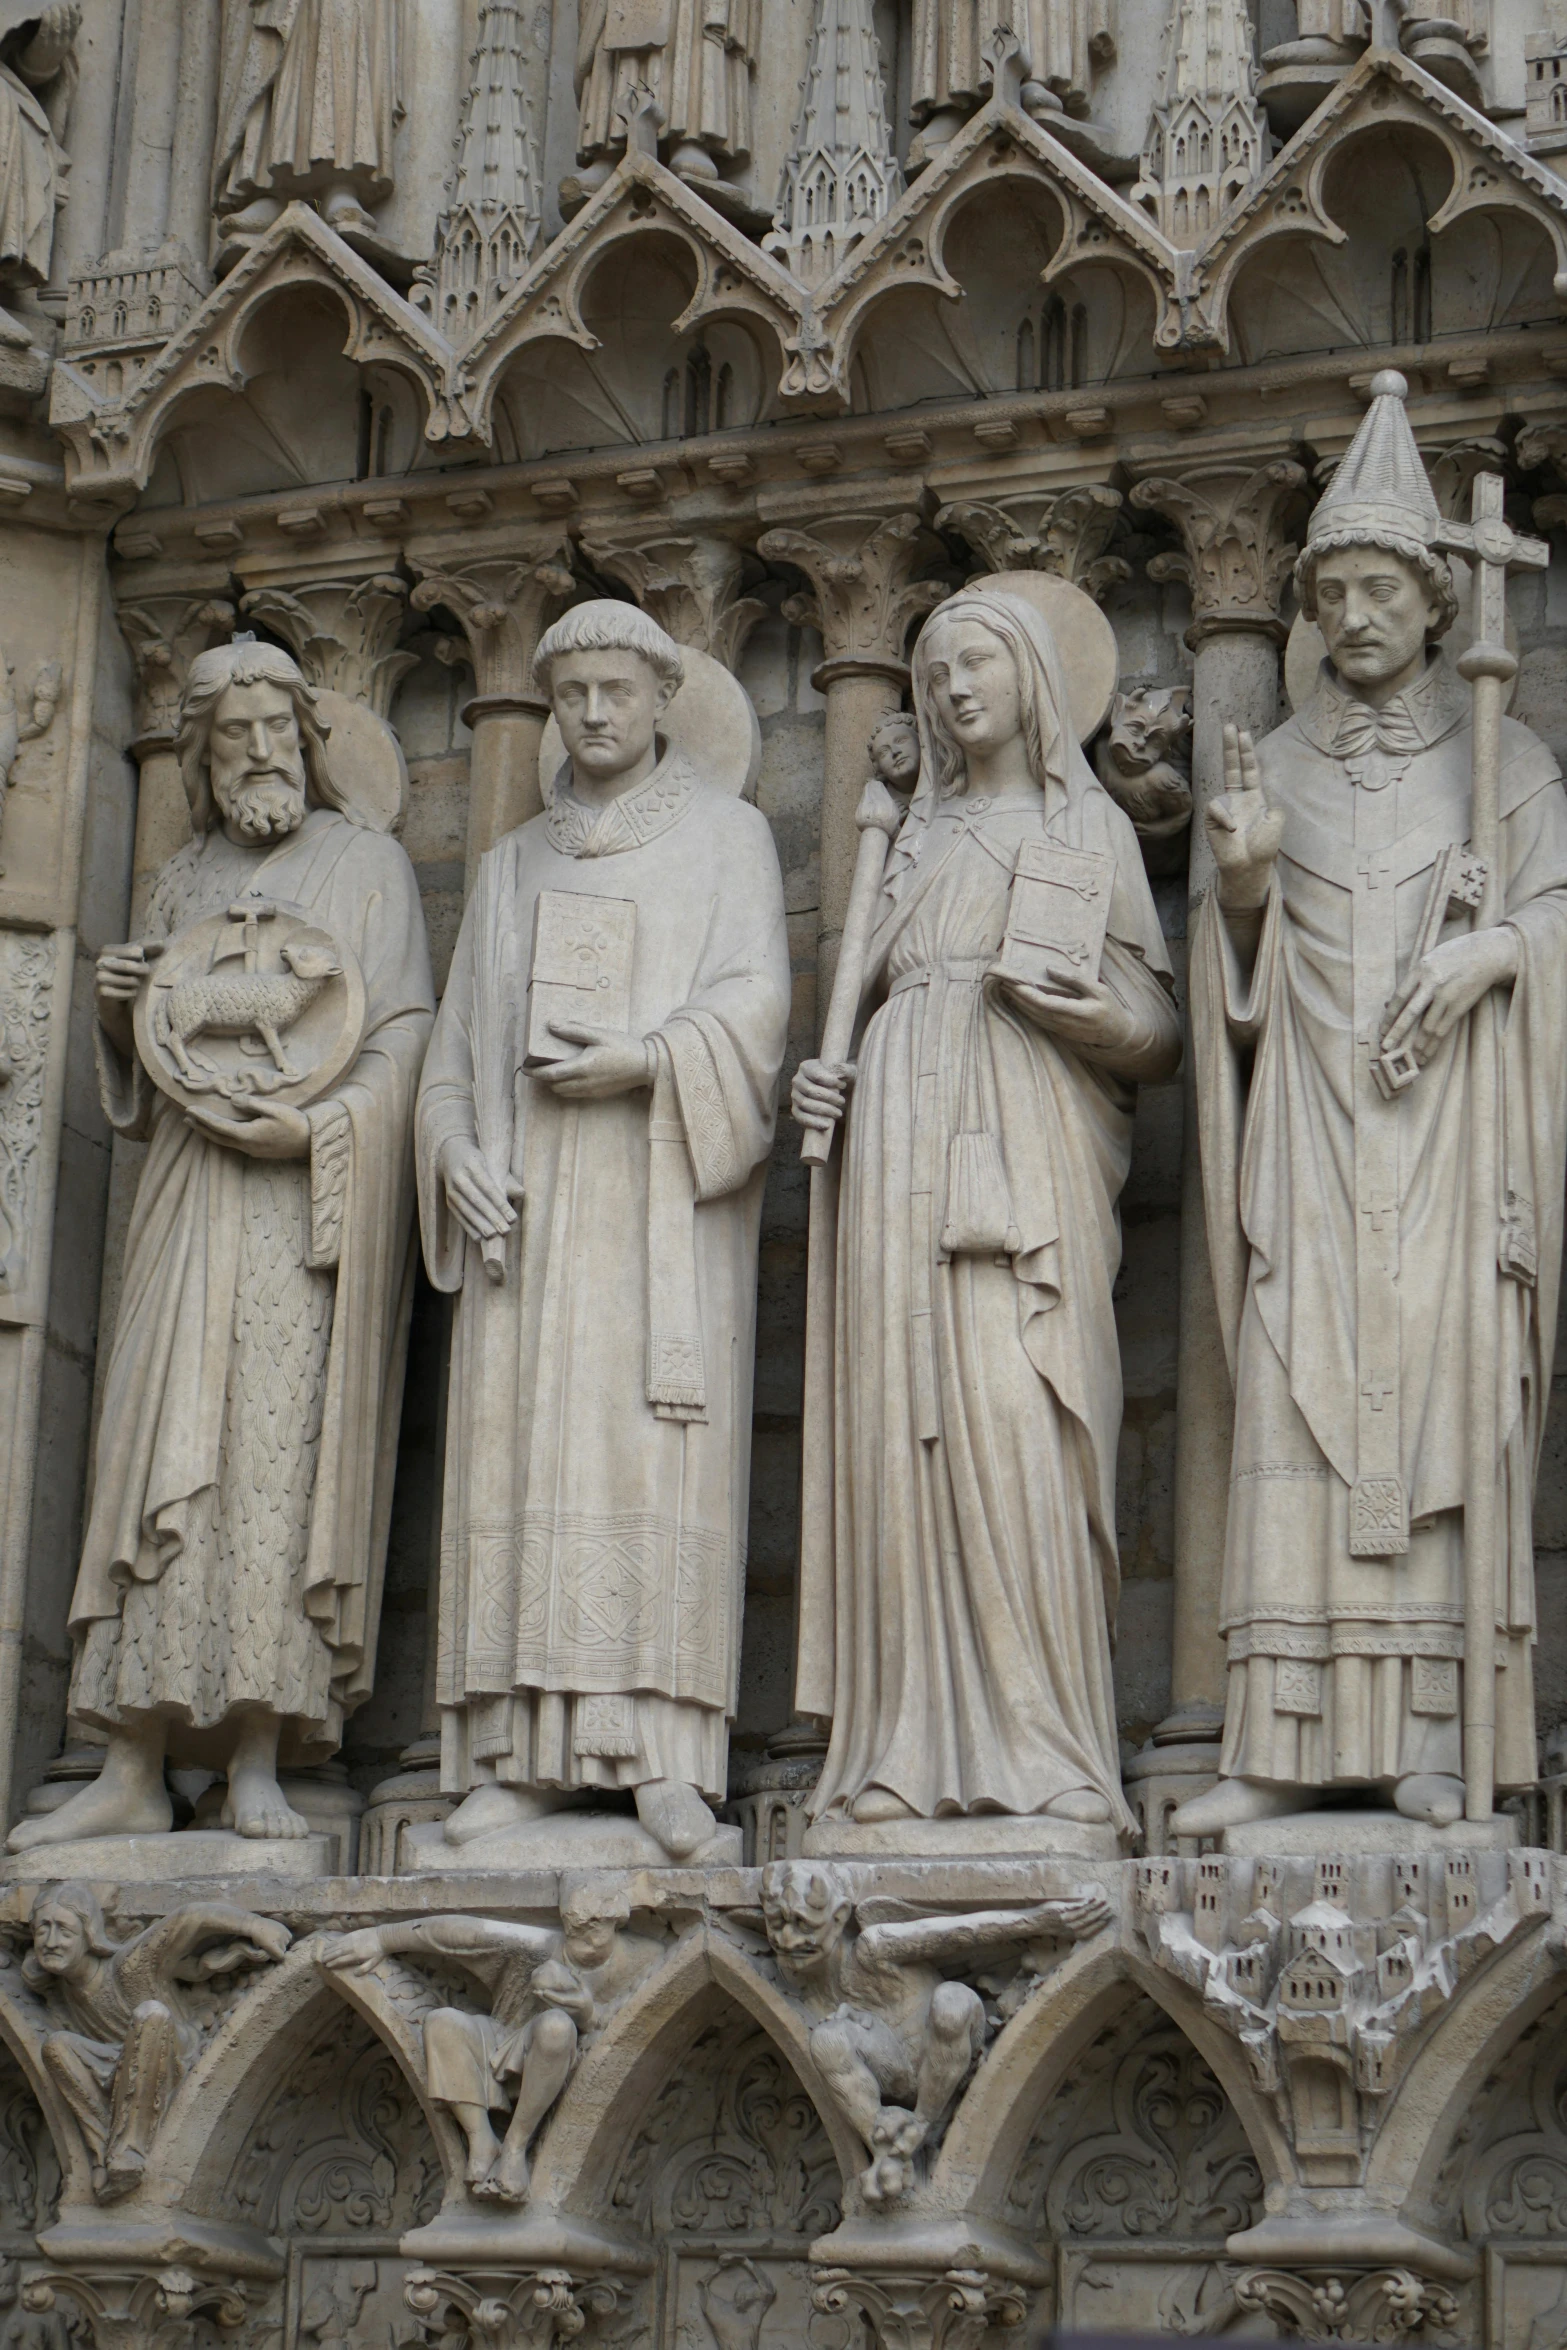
{"x": 978, "y": 1389}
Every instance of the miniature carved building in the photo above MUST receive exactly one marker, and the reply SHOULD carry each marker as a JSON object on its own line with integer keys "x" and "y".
{"x": 389, "y": 334}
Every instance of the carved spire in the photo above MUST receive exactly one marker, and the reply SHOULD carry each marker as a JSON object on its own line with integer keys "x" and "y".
{"x": 1207, "y": 140}
{"x": 841, "y": 175}
{"x": 484, "y": 239}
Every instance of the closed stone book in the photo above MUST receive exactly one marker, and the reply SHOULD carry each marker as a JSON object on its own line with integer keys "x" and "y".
{"x": 580, "y": 971}
{"x": 1057, "y": 914}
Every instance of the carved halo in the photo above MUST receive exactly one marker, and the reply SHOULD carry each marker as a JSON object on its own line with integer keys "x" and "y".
{"x": 1084, "y": 638}
{"x": 246, "y": 979}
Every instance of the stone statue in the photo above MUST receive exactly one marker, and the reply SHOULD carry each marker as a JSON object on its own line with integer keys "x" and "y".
{"x": 1338, "y": 936}
{"x": 1143, "y": 761}
{"x": 229, "y": 1590}
{"x": 308, "y": 99}
{"x": 599, "y": 1422}
{"x": 893, "y": 2038}
{"x": 125, "y": 2038}
{"x": 1062, "y": 41}
{"x": 695, "y": 56}
{"x": 37, "y": 78}
{"x": 547, "y": 1988}
{"x": 964, "y": 1641}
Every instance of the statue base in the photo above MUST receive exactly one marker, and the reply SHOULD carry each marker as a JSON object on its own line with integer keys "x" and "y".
{"x": 1377, "y": 1832}
{"x": 973, "y": 1838}
{"x": 171, "y": 1859}
{"x": 562, "y": 1840}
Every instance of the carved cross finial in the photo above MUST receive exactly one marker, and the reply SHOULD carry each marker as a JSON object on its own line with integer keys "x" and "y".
{"x": 1003, "y": 53}
{"x": 643, "y": 119}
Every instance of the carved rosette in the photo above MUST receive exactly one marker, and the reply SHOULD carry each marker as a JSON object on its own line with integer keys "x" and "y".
{"x": 342, "y": 632}
{"x": 512, "y": 2309}
{"x": 910, "y": 2310}
{"x": 504, "y": 604}
{"x": 135, "y": 2308}
{"x": 864, "y": 593}
{"x": 1235, "y": 553}
{"x": 690, "y": 586}
{"x": 1326, "y": 2305}
{"x": 1066, "y": 532}
{"x": 165, "y": 631}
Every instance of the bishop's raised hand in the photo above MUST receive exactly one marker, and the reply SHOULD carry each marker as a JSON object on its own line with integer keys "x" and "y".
{"x": 1243, "y": 831}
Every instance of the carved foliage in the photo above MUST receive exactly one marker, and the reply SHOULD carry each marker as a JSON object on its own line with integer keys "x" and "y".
{"x": 343, "y": 2146}
{"x": 1066, "y": 532}
{"x": 1316, "y": 2305}
{"x": 690, "y": 586}
{"x": 165, "y": 633}
{"x": 1506, "y": 2170}
{"x": 864, "y": 596}
{"x": 503, "y": 603}
{"x": 342, "y": 632}
{"x": 952, "y": 2311}
{"x": 1140, "y": 2141}
{"x": 1235, "y": 551}
{"x": 26, "y": 993}
{"x": 29, "y": 2166}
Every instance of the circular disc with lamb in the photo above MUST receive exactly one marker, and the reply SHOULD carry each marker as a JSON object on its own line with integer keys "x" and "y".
{"x": 253, "y": 1006}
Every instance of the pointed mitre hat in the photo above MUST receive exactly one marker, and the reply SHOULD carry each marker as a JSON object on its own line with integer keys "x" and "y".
{"x": 1380, "y": 497}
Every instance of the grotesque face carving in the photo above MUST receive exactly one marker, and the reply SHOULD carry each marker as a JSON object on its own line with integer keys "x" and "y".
{"x": 59, "y": 1938}
{"x": 1375, "y": 611}
{"x": 973, "y": 677}
{"x": 807, "y": 1909}
{"x": 607, "y": 705}
{"x": 588, "y": 1941}
{"x": 257, "y": 762}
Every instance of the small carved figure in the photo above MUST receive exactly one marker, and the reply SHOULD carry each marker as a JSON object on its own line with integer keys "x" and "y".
{"x": 225, "y": 1608}
{"x": 548, "y": 1989}
{"x": 1143, "y": 762}
{"x": 893, "y": 2039}
{"x": 308, "y": 101}
{"x": 1063, "y": 42}
{"x": 126, "y": 2038}
{"x": 37, "y": 78}
{"x": 42, "y": 698}
{"x": 895, "y": 751}
{"x": 599, "y": 1421}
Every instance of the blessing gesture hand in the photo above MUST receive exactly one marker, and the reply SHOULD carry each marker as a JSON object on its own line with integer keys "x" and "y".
{"x": 1243, "y": 831}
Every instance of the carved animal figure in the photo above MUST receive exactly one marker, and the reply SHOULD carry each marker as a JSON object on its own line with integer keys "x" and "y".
{"x": 244, "y": 1003}
{"x": 1143, "y": 761}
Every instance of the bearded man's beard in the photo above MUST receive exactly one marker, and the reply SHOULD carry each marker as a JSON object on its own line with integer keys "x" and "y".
{"x": 266, "y": 805}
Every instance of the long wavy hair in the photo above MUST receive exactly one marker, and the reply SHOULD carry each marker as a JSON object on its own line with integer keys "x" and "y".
{"x": 246, "y": 661}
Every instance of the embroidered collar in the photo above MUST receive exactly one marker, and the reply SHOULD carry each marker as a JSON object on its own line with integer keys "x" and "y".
{"x": 629, "y": 822}
{"x": 1375, "y": 746}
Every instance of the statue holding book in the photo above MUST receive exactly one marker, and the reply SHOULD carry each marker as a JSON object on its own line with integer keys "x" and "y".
{"x": 593, "y": 1125}
{"x": 959, "y": 1631}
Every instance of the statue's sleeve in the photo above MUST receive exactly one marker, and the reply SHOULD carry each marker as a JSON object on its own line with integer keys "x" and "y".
{"x": 726, "y": 1044}
{"x": 1228, "y": 1011}
{"x": 362, "y": 1195}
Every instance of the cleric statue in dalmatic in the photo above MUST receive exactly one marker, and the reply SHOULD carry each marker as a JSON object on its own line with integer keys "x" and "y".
{"x": 226, "y": 1605}
{"x": 1335, "y": 968}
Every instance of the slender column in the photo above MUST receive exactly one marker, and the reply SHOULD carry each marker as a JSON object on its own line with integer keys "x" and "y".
{"x": 1236, "y": 558}
{"x": 504, "y": 601}
{"x": 864, "y": 597}
{"x": 690, "y": 586}
{"x": 165, "y": 628}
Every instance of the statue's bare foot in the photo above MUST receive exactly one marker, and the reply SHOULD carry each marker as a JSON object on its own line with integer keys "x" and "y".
{"x": 1431, "y": 1796}
{"x": 511, "y": 2178}
{"x": 1083, "y": 1804}
{"x": 874, "y": 1804}
{"x": 673, "y": 1811}
{"x": 119, "y": 1802}
{"x": 256, "y": 1805}
{"x": 1236, "y": 1801}
{"x": 489, "y": 1808}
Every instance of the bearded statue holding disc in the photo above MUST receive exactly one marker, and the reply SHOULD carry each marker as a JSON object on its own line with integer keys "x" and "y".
{"x": 264, "y": 1039}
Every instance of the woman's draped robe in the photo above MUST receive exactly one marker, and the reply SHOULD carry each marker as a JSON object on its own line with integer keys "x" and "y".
{"x": 977, "y": 1369}
{"x": 247, "y": 1445}
{"x": 1338, "y": 1232}
{"x": 599, "y": 1417}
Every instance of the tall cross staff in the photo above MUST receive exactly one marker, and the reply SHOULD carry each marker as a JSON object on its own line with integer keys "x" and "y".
{"x": 1494, "y": 549}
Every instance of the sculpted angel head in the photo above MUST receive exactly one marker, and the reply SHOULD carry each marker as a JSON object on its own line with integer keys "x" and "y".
{"x": 251, "y": 747}
{"x": 610, "y": 673}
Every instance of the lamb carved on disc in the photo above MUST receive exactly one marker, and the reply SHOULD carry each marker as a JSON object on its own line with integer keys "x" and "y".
{"x": 255, "y": 1006}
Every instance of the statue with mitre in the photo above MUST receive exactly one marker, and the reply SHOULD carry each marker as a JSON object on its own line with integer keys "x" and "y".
{"x": 1379, "y": 1006}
